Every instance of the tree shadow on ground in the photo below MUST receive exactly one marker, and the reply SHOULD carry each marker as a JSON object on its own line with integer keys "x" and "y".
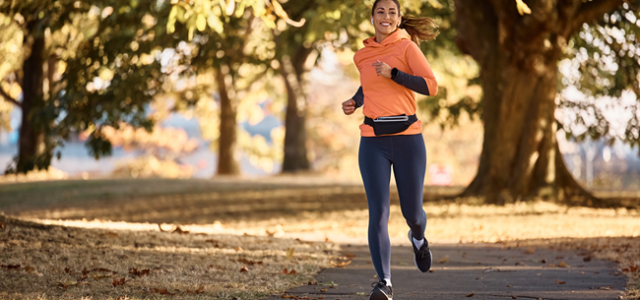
{"x": 184, "y": 201}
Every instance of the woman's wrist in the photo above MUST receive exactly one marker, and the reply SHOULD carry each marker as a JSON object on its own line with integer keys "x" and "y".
{"x": 394, "y": 73}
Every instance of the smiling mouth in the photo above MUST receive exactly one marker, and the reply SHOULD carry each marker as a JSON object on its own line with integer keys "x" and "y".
{"x": 385, "y": 24}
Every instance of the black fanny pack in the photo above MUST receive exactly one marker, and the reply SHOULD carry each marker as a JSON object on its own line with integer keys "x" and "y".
{"x": 391, "y": 124}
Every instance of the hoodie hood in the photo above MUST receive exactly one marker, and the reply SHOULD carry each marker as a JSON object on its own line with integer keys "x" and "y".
{"x": 398, "y": 35}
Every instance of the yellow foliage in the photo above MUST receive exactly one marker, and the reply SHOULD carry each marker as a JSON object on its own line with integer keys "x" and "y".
{"x": 148, "y": 166}
{"x": 35, "y": 175}
{"x": 523, "y": 8}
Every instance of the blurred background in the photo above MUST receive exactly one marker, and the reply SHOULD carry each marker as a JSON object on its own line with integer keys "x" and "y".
{"x": 197, "y": 89}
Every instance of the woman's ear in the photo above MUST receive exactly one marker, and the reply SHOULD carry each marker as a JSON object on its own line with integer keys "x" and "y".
{"x": 399, "y": 21}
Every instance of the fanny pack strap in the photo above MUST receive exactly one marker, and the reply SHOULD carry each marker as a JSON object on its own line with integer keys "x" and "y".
{"x": 412, "y": 119}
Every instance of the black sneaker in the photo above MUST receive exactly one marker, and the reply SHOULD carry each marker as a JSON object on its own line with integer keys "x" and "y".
{"x": 422, "y": 257}
{"x": 381, "y": 291}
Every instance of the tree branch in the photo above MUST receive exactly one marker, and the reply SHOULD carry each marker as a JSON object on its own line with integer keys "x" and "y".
{"x": 9, "y": 98}
{"x": 590, "y": 11}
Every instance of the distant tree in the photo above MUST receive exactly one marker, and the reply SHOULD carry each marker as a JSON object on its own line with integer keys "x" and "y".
{"x": 101, "y": 69}
{"x": 233, "y": 41}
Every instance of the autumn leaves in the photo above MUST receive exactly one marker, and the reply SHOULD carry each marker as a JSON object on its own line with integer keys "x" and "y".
{"x": 67, "y": 262}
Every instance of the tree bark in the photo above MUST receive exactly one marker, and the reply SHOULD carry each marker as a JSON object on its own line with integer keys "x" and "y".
{"x": 31, "y": 148}
{"x": 295, "y": 148}
{"x": 518, "y": 57}
{"x": 227, "y": 143}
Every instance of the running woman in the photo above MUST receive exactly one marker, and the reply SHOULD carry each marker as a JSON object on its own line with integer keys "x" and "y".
{"x": 391, "y": 68}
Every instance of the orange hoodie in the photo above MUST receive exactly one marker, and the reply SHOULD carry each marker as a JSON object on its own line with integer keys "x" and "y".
{"x": 382, "y": 96}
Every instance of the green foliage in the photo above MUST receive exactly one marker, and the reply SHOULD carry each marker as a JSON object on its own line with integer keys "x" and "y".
{"x": 603, "y": 60}
{"x": 114, "y": 74}
{"x": 106, "y": 63}
{"x": 197, "y": 15}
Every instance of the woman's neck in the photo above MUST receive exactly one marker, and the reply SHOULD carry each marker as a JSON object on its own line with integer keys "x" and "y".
{"x": 381, "y": 36}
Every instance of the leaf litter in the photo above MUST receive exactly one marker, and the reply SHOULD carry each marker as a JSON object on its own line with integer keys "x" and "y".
{"x": 44, "y": 262}
{"x": 449, "y": 222}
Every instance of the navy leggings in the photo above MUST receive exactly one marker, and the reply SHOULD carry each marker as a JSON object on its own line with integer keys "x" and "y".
{"x": 408, "y": 157}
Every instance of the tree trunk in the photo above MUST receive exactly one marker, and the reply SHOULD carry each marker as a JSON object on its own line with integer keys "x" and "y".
{"x": 31, "y": 148}
{"x": 518, "y": 57}
{"x": 227, "y": 144}
{"x": 295, "y": 148}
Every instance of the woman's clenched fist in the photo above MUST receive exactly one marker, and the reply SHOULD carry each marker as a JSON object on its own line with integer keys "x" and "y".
{"x": 349, "y": 106}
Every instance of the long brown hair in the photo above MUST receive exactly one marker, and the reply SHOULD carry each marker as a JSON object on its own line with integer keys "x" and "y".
{"x": 419, "y": 28}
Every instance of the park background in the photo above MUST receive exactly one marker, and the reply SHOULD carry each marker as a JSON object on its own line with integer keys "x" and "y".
{"x": 223, "y": 119}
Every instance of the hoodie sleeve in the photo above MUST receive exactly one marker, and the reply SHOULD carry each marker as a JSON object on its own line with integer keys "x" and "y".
{"x": 358, "y": 98}
{"x": 423, "y": 80}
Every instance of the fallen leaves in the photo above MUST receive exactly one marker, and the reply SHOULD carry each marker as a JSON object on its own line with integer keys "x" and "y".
{"x": 469, "y": 295}
{"x": 343, "y": 261}
{"x": 330, "y": 283}
{"x": 249, "y": 262}
{"x": 109, "y": 234}
{"x": 179, "y": 230}
{"x": 631, "y": 269}
{"x": 100, "y": 276}
{"x": 161, "y": 292}
{"x": 67, "y": 284}
{"x": 340, "y": 264}
{"x": 215, "y": 243}
{"x": 290, "y": 252}
{"x": 91, "y": 259}
{"x": 530, "y": 251}
{"x": 200, "y": 290}
{"x": 444, "y": 260}
{"x": 288, "y": 272}
{"x": 563, "y": 265}
{"x": 10, "y": 267}
{"x": 285, "y": 296}
{"x": 116, "y": 282}
{"x": 560, "y": 282}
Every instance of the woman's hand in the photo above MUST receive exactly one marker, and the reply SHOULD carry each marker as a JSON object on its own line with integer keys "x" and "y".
{"x": 349, "y": 106}
{"x": 382, "y": 69}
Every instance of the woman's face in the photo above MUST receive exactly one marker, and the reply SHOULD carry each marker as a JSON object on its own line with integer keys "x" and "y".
{"x": 386, "y": 17}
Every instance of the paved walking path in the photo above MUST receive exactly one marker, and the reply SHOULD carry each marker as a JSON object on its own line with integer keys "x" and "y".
{"x": 473, "y": 271}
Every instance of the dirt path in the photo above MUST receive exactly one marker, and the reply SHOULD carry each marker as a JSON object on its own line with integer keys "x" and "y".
{"x": 476, "y": 271}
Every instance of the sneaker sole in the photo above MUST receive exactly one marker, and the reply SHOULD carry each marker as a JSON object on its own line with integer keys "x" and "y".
{"x": 378, "y": 296}
{"x": 415, "y": 262}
